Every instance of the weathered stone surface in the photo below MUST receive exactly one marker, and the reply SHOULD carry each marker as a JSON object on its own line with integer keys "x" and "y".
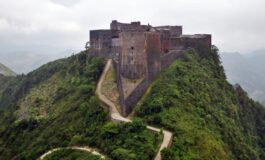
{"x": 140, "y": 52}
{"x": 133, "y": 54}
{"x": 153, "y": 50}
{"x": 115, "y": 25}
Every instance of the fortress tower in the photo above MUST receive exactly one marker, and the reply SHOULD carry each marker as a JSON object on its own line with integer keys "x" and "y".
{"x": 133, "y": 54}
{"x": 140, "y": 52}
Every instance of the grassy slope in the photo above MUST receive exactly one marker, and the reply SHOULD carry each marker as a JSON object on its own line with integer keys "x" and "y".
{"x": 209, "y": 118}
{"x": 55, "y": 106}
{"x": 6, "y": 71}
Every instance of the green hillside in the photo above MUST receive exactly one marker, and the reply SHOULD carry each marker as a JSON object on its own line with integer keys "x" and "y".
{"x": 55, "y": 106}
{"x": 6, "y": 71}
{"x": 210, "y": 118}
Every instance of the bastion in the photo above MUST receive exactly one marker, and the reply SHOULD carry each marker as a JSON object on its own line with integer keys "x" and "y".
{"x": 140, "y": 53}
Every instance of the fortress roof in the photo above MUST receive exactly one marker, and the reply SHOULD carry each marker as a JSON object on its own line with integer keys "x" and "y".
{"x": 195, "y": 36}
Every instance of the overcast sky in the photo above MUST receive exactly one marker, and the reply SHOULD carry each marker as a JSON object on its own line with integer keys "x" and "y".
{"x": 54, "y": 27}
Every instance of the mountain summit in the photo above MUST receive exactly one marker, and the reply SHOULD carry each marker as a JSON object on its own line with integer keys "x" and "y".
{"x": 56, "y": 106}
{"x": 179, "y": 102}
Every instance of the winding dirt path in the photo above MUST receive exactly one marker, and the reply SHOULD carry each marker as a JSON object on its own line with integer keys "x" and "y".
{"x": 116, "y": 116}
{"x": 85, "y": 149}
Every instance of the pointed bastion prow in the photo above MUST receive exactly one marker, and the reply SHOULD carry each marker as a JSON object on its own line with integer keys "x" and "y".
{"x": 140, "y": 52}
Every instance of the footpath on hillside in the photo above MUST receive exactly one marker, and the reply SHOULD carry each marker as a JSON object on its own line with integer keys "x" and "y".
{"x": 84, "y": 149}
{"x": 115, "y": 117}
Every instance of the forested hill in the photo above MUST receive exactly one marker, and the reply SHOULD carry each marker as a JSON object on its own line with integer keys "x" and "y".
{"x": 210, "y": 118}
{"x": 56, "y": 106}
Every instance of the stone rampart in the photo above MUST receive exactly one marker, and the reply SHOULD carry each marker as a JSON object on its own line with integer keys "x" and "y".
{"x": 135, "y": 96}
{"x": 141, "y": 52}
{"x": 133, "y": 55}
{"x": 168, "y": 59}
{"x": 120, "y": 88}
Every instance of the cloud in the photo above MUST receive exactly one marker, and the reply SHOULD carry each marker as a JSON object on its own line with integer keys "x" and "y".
{"x": 67, "y": 3}
{"x": 3, "y": 24}
{"x": 52, "y": 26}
{"x": 31, "y": 16}
{"x": 227, "y": 20}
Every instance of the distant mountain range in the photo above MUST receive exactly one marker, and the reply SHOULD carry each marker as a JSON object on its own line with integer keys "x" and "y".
{"x": 248, "y": 70}
{"x": 5, "y": 71}
{"x": 24, "y": 62}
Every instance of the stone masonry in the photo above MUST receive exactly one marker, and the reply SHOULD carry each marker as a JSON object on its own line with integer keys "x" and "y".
{"x": 140, "y": 52}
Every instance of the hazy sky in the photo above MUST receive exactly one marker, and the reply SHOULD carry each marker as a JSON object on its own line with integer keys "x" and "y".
{"x": 54, "y": 26}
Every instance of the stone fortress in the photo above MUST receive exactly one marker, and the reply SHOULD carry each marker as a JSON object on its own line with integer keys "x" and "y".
{"x": 139, "y": 53}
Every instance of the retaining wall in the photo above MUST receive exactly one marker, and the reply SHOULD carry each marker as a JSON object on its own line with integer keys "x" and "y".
{"x": 120, "y": 87}
{"x": 168, "y": 59}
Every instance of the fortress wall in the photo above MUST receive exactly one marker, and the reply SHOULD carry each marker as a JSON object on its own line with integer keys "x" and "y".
{"x": 128, "y": 104}
{"x": 194, "y": 40}
{"x": 115, "y": 25}
{"x": 100, "y": 39}
{"x": 120, "y": 88}
{"x": 133, "y": 55}
{"x": 175, "y": 31}
{"x": 115, "y": 48}
{"x": 100, "y": 42}
{"x": 135, "y": 96}
{"x": 191, "y": 41}
{"x": 141, "y": 52}
{"x": 165, "y": 37}
{"x": 153, "y": 50}
{"x": 168, "y": 59}
{"x": 176, "y": 42}
{"x": 208, "y": 40}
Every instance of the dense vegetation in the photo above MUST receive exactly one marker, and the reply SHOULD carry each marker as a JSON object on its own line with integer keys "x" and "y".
{"x": 69, "y": 154}
{"x": 210, "y": 118}
{"x": 55, "y": 106}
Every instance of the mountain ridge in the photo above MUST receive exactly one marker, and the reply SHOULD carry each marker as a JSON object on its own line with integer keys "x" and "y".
{"x": 209, "y": 118}
{"x": 247, "y": 70}
{"x": 73, "y": 116}
{"x": 5, "y": 71}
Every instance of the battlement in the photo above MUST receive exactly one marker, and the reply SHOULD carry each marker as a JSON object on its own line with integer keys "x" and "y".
{"x": 171, "y": 37}
{"x": 175, "y": 31}
{"x": 140, "y": 52}
{"x": 192, "y": 41}
{"x": 115, "y": 25}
